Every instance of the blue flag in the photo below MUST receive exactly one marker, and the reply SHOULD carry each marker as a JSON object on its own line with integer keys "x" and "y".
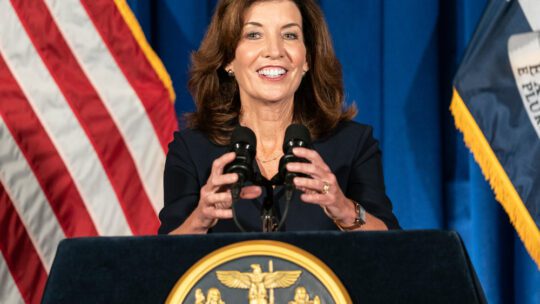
{"x": 496, "y": 105}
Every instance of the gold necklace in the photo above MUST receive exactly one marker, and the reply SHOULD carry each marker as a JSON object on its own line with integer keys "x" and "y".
{"x": 264, "y": 161}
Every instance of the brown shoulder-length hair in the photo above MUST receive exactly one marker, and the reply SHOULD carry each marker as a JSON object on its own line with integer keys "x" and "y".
{"x": 318, "y": 102}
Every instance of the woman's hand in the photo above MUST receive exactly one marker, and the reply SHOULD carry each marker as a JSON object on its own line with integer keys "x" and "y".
{"x": 215, "y": 200}
{"x": 323, "y": 189}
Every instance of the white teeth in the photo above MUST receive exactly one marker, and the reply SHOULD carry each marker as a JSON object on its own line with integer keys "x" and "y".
{"x": 272, "y": 72}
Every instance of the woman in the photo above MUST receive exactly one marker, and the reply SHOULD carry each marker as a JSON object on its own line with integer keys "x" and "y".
{"x": 265, "y": 65}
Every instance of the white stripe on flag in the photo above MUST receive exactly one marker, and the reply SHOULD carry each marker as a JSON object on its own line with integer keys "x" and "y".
{"x": 28, "y": 198}
{"x": 61, "y": 125}
{"x": 9, "y": 293}
{"x": 114, "y": 90}
{"x": 531, "y": 9}
{"x": 524, "y": 55}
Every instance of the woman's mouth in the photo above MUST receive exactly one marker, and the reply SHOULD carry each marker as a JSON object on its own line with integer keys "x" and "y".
{"x": 273, "y": 73}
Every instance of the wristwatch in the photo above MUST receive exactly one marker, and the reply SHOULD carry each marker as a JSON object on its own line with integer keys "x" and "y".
{"x": 359, "y": 220}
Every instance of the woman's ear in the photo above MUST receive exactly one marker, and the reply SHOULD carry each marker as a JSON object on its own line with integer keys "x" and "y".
{"x": 306, "y": 66}
{"x": 229, "y": 70}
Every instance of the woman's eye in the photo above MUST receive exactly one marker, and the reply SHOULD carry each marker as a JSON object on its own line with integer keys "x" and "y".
{"x": 291, "y": 36}
{"x": 253, "y": 35}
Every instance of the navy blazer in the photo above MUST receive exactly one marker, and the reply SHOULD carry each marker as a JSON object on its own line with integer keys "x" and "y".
{"x": 350, "y": 151}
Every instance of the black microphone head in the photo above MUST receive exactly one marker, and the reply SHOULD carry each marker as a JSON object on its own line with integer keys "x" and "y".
{"x": 298, "y": 133}
{"x": 245, "y": 135}
{"x": 243, "y": 143}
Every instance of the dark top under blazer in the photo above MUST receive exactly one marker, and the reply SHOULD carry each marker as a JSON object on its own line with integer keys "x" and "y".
{"x": 350, "y": 151}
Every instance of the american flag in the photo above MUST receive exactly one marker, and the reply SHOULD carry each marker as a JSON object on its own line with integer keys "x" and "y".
{"x": 86, "y": 114}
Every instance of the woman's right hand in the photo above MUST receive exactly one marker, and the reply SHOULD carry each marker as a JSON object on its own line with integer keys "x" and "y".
{"x": 215, "y": 200}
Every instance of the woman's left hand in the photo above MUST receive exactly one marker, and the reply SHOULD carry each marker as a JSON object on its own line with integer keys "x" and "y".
{"x": 322, "y": 188}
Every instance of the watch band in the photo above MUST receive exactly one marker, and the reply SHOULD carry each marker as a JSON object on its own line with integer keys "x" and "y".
{"x": 359, "y": 220}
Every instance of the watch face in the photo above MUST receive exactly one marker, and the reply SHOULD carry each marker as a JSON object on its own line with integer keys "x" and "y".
{"x": 360, "y": 214}
{"x": 359, "y": 220}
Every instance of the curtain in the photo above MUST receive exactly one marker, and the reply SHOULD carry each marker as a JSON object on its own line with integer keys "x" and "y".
{"x": 398, "y": 58}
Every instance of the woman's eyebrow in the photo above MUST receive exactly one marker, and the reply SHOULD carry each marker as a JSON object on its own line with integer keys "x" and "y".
{"x": 288, "y": 25}
{"x": 253, "y": 23}
{"x": 292, "y": 24}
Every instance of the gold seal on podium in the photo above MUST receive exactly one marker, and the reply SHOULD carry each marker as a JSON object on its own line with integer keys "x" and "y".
{"x": 259, "y": 272}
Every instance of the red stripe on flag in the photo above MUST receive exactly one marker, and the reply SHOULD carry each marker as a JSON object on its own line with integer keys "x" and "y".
{"x": 19, "y": 252}
{"x": 91, "y": 113}
{"x": 43, "y": 158}
{"x": 135, "y": 66}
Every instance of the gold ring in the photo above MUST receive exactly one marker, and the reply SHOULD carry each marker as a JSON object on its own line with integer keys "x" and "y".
{"x": 325, "y": 188}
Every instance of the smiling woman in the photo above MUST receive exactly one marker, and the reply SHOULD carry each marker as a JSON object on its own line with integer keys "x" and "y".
{"x": 319, "y": 97}
{"x": 270, "y": 58}
{"x": 266, "y": 65}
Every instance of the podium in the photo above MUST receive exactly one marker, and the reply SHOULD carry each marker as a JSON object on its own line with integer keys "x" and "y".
{"x": 374, "y": 267}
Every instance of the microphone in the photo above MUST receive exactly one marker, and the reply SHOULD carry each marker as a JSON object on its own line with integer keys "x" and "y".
{"x": 244, "y": 144}
{"x": 296, "y": 135}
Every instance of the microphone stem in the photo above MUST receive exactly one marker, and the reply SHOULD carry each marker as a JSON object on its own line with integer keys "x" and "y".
{"x": 268, "y": 216}
{"x": 235, "y": 191}
{"x": 289, "y": 186}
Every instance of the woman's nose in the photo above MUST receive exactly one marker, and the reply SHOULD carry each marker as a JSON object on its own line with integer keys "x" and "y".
{"x": 274, "y": 48}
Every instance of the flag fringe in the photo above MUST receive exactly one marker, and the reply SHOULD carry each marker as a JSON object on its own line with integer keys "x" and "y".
{"x": 138, "y": 33}
{"x": 499, "y": 181}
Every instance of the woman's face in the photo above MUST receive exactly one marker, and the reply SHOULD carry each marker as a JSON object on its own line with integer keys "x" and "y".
{"x": 270, "y": 58}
